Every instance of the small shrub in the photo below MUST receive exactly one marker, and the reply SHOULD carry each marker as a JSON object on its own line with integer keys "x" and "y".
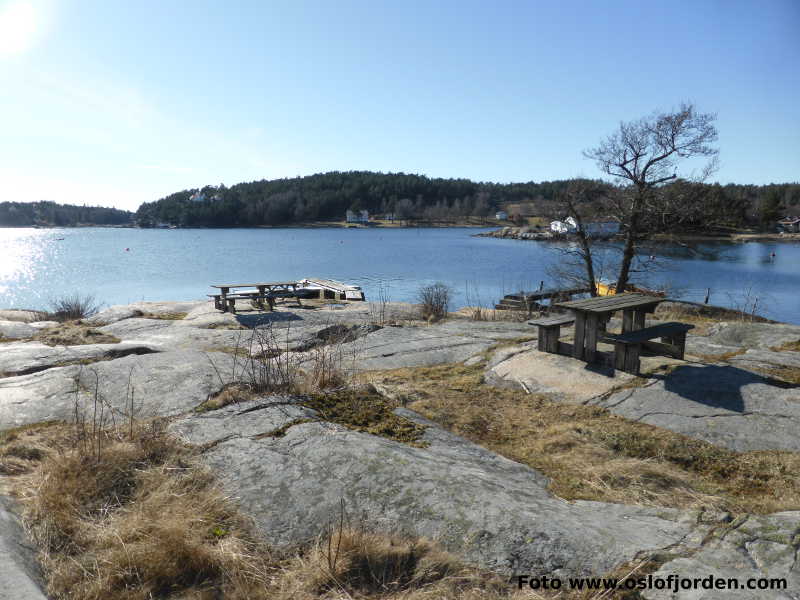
{"x": 73, "y": 308}
{"x": 434, "y": 300}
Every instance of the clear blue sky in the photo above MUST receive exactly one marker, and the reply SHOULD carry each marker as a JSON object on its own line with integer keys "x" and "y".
{"x": 120, "y": 102}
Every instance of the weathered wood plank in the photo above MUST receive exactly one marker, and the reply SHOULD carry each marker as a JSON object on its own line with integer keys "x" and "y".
{"x": 580, "y": 328}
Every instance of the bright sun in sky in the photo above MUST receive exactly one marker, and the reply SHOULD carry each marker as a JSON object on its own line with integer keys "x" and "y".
{"x": 19, "y": 24}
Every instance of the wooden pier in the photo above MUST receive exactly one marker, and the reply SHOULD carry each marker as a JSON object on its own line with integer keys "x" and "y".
{"x": 331, "y": 290}
{"x": 529, "y": 301}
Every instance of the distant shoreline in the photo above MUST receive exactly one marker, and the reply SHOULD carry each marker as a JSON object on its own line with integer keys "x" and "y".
{"x": 511, "y": 232}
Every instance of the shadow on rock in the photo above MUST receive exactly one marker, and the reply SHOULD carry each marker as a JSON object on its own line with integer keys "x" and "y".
{"x": 713, "y": 385}
{"x": 251, "y": 321}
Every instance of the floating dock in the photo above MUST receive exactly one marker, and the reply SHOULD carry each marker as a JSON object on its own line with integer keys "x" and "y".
{"x": 530, "y": 300}
{"x": 330, "y": 289}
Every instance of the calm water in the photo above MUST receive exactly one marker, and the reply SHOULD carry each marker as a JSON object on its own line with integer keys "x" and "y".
{"x": 37, "y": 266}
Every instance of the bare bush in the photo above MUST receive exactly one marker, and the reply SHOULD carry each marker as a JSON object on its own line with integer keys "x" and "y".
{"x": 73, "y": 307}
{"x": 434, "y": 301}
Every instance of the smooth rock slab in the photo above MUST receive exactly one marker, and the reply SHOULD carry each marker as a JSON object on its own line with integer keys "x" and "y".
{"x": 562, "y": 377}
{"x": 397, "y": 347}
{"x": 767, "y": 360}
{"x": 20, "y": 576}
{"x": 755, "y": 335}
{"x": 17, "y": 330}
{"x": 22, "y": 316}
{"x": 24, "y": 358}
{"x": 759, "y": 546}
{"x": 488, "y": 509}
{"x": 721, "y": 404}
{"x": 44, "y": 396}
{"x": 120, "y": 312}
{"x": 166, "y": 383}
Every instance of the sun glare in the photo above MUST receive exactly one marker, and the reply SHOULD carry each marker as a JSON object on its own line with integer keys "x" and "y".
{"x": 19, "y": 26}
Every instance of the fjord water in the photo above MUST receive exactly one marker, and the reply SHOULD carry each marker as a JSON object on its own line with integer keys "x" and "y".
{"x": 119, "y": 266}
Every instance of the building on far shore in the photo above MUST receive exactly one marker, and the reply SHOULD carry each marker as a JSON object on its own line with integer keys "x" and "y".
{"x": 361, "y": 216}
{"x": 605, "y": 227}
{"x": 568, "y": 225}
{"x": 501, "y": 215}
{"x": 789, "y": 224}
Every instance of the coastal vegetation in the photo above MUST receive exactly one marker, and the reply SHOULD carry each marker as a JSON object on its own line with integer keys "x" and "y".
{"x": 52, "y": 214}
{"x": 402, "y": 198}
{"x": 417, "y": 199}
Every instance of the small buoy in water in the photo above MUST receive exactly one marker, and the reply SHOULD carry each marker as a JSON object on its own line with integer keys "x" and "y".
{"x": 127, "y": 249}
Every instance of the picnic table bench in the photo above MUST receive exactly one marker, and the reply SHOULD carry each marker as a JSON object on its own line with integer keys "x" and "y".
{"x": 550, "y": 331}
{"x": 591, "y": 316}
{"x": 268, "y": 291}
{"x": 627, "y": 346}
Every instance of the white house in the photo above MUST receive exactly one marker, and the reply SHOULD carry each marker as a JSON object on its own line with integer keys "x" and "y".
{"x": 568, "y": 225}
{"x": 359, "y": 217}
{"x": 601, "y": 228}
{"x": 501, "y": 215}
{"x": 197, "y": 197}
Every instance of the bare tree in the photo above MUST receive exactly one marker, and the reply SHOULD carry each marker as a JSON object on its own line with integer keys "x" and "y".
{"x": 643, "y": 155}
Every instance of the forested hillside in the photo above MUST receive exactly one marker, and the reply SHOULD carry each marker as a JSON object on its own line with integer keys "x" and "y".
{"x": 44, "y": 213}
{"x": 326, "y": 197}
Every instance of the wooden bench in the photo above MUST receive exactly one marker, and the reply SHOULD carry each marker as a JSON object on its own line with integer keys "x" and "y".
{"x": 628, "y": 346}
{"x": 550, "y": 331}
{"x": 255, "y": 297}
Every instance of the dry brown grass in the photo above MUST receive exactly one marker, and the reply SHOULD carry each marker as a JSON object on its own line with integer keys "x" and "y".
{"x": 788, "y": 375}
{"x": 145, "y": 520}
{"x": 233, "y": 393}
{"x": 73, "y": 333}
{"x": 725, "y": 356}
{"x": 592, "y": 454}
{"x": 164, "y": 316}
{"x": 142, "y": 520}
{"x": 702, "y": 323}
{"x": 353, "y": 563}
{"x": 787, "y": 347}
{"x": 481, "y": 313}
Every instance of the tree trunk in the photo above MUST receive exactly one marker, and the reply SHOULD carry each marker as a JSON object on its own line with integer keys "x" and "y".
{"x": 588, "y": 259}
{"x": 630, "y": 243}
{"x": 627, "y": 259}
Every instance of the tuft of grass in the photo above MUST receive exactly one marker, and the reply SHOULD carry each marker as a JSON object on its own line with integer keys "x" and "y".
{"x": 591, "y": 454}
{"x": 434, "y": 300}
{"x": 233, "y": 393}
{"x": 73, "y": 333}
{"x": 72, "y": 308}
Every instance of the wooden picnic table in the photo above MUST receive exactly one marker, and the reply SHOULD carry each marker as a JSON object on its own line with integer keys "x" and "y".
{"x": 263, "y": 289}
{"x": 592, "y": 314}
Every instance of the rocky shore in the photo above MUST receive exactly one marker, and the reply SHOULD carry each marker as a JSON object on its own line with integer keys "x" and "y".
{"x": 520, "y": 233}
{"x": 737, "y": 391}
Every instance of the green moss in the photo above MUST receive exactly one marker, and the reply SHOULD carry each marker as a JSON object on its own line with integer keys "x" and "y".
{"x": 367, "y": 411}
